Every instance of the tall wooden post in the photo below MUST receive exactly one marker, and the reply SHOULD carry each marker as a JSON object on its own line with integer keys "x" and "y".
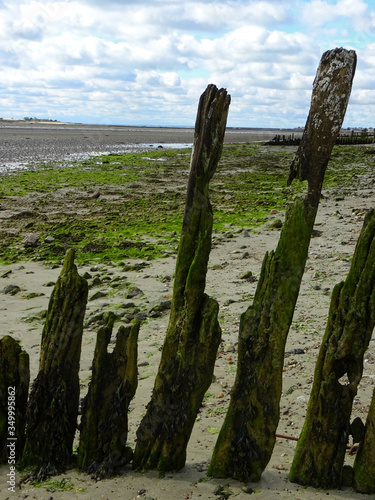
{"x": 193, "y": 334}
{"x": 14, "y": 389}
{"x": 248, "y": 435}
{"x": 53, "y": 403}
{"x": 320, "y": 451}
{"x": 104, "y": 427}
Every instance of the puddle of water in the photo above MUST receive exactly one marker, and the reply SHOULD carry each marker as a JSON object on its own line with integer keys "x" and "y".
{"x": 7, "y": 167}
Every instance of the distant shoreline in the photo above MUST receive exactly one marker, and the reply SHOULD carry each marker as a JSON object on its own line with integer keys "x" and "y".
{"x": 55, "y": 123}
{"x": 24, "y": 142}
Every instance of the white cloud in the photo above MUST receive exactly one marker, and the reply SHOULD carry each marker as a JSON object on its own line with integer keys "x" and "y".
{"x": 219, "y": 14}
{"x": 318, "y": 12}
{"x": 154, "y": 79}
{"x": 357, "y": 12}
{"x": 141, "y": 61}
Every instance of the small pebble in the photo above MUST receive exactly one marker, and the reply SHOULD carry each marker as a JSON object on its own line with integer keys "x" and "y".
{"x": 247, "y": 489}
{"x": 11, "y": 289}
{"x": 98, "y": 295}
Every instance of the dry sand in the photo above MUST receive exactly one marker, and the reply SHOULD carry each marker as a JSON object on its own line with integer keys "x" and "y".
{"x": 337, "y": 228}
{"x": 327, "y": 264}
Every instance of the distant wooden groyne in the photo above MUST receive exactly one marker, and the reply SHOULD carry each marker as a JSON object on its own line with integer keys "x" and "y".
{"x": 345, "y": 138}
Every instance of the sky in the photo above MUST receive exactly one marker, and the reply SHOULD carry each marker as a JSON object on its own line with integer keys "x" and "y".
{"x": 139, "y": 62}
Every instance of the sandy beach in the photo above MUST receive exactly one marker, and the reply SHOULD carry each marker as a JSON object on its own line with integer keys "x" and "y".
{"x": 337, "y": 228}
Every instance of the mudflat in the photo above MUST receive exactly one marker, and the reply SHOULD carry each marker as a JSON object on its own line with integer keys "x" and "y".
{"x": 23, "y": 142}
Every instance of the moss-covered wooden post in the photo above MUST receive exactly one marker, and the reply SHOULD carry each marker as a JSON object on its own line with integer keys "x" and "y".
{"x": 364, "y": 464}
{"x": 193, "y": 333}
{"x": 14, "y": 389}
{"x": 53, "y": 403}
{"x": 248, "y": 435}
{"x": 104, "y": 426}
{"x": 320, "y": 451}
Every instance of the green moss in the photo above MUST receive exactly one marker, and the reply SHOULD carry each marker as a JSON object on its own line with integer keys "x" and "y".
{"x": 52, "y": 485}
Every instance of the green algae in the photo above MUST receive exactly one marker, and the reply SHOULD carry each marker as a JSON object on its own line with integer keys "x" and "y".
{"x": 140, "y": 197}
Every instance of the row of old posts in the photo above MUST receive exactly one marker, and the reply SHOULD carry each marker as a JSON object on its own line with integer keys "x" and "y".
{"x": 364, "y": 136}
{"x": 345, "y": 138}
{"x": 284, "y": 140}
{"x": 46, "y": 418}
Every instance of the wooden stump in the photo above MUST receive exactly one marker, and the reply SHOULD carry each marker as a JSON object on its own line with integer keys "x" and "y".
{"x": 364, "y": 465}
{"x": 320, "y": 451}
{"x": 104, "y": 427}
{"x": 246, "y": 440}
{"x": 193, "y": 334}
{"x": 14, "y": 389}
{"x": 53, "y": 403}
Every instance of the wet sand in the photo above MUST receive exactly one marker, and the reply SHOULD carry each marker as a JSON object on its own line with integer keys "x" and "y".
{"x": 23, "y": 143}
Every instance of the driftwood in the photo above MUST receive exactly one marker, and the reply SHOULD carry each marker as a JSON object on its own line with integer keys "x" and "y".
{"x": 14, "y": 388}
{"x": 104, "y": 427}
{"x": 320, "y": 452}
{"x": 53, "y": 404}
{"x": 248, "y": 435}
{"x": 193, "y": 333}
{"x": 364, "y": 464}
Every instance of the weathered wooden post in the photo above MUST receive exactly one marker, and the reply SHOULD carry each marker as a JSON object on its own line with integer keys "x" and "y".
{"x": 248, "y": 435}
{"x": 14, "y": 389}
{"x": 104, "y": 426}
{"x": 53, "y": 403}
{"x": 193, "y": 333}
{"x": 364, "y": 464}
{"x": 320, "y": 451}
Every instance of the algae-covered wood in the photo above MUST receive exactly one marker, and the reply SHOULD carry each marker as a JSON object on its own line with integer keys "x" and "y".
{"x": 53, "y": 403}
{"x": 14, "y": 388}
{"x": 320, "y": 451}
{"x": 104, "y": 427}
{"x": 248, "y": 435}
{"x": 193, "y": 333}
{"x": 364, "y": 464}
